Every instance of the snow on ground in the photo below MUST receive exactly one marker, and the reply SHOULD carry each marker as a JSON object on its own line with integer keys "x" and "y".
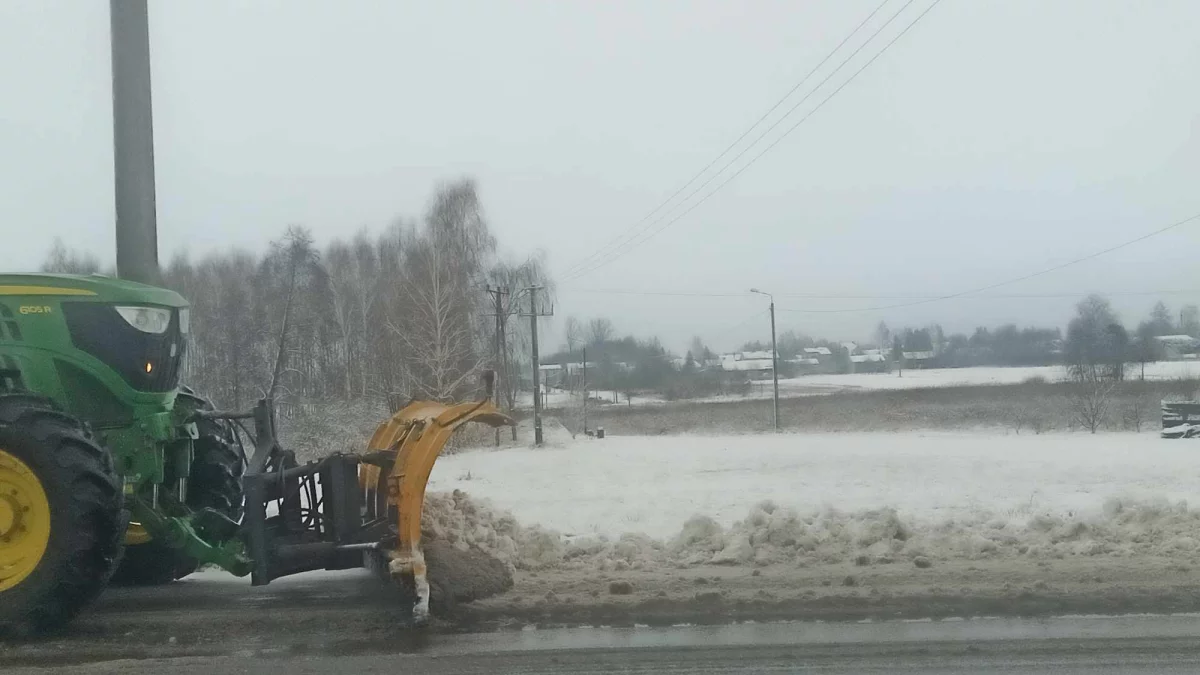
{"x": 730, "y": 499}
{"x": 654, "y": 484}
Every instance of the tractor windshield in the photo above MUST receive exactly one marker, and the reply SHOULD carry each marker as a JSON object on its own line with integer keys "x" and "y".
{"x": 143, "y": 344}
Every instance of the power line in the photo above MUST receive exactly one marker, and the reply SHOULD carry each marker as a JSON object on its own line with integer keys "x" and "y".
{"x": 634, "y": 242}
{"x": 816, "y": 296}
{"x": 989, "y": 287}
{"x": 769, "y": 129}
{"x": 697, "y": 294}
{"x": 615, "y": 241}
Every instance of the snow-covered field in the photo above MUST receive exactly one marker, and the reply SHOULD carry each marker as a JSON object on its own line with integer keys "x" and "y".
{"x": 653, "y": 485}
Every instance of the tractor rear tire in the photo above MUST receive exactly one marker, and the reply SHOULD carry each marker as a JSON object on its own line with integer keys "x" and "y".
{"x": 61, "y": 512}
{"x": 215, "y": 483}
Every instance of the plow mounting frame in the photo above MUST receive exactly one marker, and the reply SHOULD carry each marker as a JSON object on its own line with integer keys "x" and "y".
{"x": 346, "y": 510}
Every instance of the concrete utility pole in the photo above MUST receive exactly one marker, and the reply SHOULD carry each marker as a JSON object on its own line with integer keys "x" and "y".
{"x": 585, "y": 426}
{"x": 133, "y": 143}
{"x": 498, "y": 294}
{"x": 537, "y": 379}
{"x": 774, "y": 360}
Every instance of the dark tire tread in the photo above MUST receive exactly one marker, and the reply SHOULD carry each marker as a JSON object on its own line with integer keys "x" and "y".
{"x": 87, "y": 514}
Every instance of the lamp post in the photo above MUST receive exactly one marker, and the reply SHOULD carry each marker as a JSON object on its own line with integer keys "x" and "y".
{"x": 774, "y": 360}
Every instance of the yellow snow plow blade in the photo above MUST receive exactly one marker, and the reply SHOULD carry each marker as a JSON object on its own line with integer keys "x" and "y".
{"x": 402, "y": 451}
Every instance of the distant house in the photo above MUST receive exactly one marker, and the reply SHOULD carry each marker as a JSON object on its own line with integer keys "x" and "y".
{"x": 818, "y": 351}
{"x": 752, "y": 356}
{"x": 750, "y": 365}
{"x": 917, "y": 359}
{"x": 551, "y": 374}
{"x": 1176, "y": 347}
{"x": 577, "y": 367}
{"x": 753, "y": 363}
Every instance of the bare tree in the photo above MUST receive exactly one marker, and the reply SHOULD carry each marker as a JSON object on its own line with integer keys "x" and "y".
{"x": 338, "y": 262}
{"x": 573, "y": 330}
{"x": 62, "y": 260}
{"x": 883, "y": 336}
{"x": 291, "y": 263}
{"x": 600, "y": 330}
{"x": 1135, "y": 413}
{"x": 1189, "y": 320}
{"x": 437, "y": 315}
{"x": 1097, "y": 345}
{"x": 1091, "y": 401}
{"x": 699, "y": 350}
{"x": 437, "y": 329}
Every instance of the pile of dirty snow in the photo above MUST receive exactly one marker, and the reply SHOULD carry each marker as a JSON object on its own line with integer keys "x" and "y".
{"x": 772, "y": 534}
{"x": 456, "y": 519}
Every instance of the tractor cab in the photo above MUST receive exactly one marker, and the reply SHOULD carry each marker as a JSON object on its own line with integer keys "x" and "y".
{"x": 102, "y": 348}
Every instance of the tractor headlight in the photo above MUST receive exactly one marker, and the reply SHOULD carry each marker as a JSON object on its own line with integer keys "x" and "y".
{"x": 185, "y": 321}
{"x": 153, "y": 320}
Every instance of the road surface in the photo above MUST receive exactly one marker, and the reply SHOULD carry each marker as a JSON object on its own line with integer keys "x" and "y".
{"x": 347, "y": 622}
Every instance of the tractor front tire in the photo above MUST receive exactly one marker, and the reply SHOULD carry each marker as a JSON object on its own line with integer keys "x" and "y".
{"x": 215, "y": 482}
{"x": 62, "y": 516}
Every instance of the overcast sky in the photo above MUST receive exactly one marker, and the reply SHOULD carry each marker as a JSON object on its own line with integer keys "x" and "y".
{"x": 995, "y": 139}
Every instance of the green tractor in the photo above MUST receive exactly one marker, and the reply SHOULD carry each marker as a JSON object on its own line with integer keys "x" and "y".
{"x": 110, "y": 471}
{"x": 101, "y": 451}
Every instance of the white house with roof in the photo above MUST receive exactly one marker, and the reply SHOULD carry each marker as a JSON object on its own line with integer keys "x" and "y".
{"x": 748, "y": 362}
{"x": 1178, "y": 346}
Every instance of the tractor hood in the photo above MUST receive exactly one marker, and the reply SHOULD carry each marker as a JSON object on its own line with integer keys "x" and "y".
{"x": 94, "y": 287}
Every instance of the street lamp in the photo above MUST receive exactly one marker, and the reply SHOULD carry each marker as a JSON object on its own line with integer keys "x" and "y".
{"x": 774, "y": 359}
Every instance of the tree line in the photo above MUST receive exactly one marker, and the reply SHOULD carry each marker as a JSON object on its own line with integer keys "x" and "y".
{"x": 400, "y": 313}
{"x": 1095, "y": 346}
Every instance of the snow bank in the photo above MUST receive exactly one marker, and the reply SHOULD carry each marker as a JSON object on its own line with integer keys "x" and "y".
{"x": 637, "y": 502}
{"x": 771, "y": 534}
{"x": 465, "y": 523}
{"x": 655, "y": 484}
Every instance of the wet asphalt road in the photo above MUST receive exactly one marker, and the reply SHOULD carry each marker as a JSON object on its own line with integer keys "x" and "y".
{"x": 342, "y": 623}
{"x": 978, "y": 646}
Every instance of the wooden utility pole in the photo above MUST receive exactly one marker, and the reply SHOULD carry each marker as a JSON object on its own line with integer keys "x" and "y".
{"x": 534, "y": 313}
{"x": 774, "y": 362}
{"x": 585, "y": 426}
{"x": 774, "y": 370}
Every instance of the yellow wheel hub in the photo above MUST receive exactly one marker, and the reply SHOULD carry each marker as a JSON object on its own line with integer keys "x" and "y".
{"x": 24, "y": 521}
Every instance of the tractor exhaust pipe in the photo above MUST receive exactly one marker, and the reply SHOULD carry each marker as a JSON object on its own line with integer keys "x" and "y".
{"x": 133, "y": 143}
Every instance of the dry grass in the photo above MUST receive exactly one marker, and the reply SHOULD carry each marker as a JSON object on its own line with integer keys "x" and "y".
{"x": 317, "y": 430}
{"x": 1031, "y": 407}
